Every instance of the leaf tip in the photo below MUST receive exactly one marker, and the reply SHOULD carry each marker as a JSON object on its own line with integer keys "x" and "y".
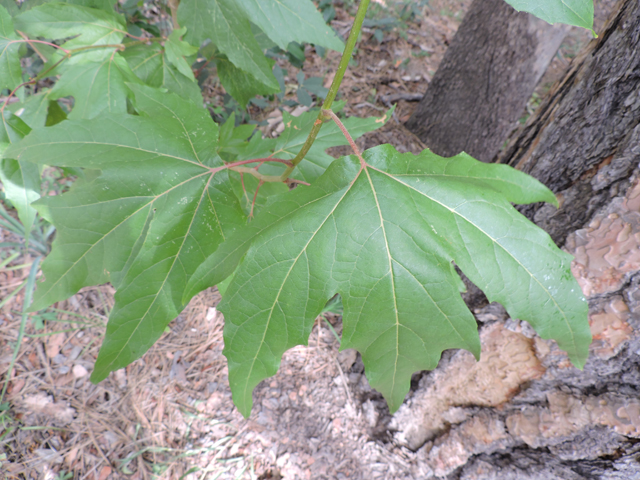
{"x": 97, "y": 376}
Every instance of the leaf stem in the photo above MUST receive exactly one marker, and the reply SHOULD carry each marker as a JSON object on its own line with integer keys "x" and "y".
{"x": 335, "y": 85}
{"x": 237, "y": 167}
{"x": 347, "y": 135}
{"x": 30, "y": 42}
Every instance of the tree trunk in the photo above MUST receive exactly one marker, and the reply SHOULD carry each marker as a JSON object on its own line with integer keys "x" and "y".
{"x": 487, "y": 76}
{"x": 523, "y": 412}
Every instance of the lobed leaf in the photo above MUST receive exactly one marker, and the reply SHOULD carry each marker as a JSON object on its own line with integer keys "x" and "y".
{"x": 285, "y": 146}
{"x": 176, "y": 50}
{"x": 151, "y": 65}
{"x": 571, "y": 12}
{"x": 145, "y": 233}
{"x": 384, "y": 235}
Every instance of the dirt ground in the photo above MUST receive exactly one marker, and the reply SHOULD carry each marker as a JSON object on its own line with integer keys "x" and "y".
{"x": 169, "y": 415}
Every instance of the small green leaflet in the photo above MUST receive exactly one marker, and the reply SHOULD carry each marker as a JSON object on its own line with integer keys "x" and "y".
{"x": 384, "y": 235}
{"x": 161, "y": 205}
{"x": 20, "y": 179}
{"x": 151, "y": 65}
{"x": 286, "y": 21}
{"x": 226, "y": 25}
{"x": 176, "y": 50}
{"x": 571, "y": 12}
{"x": 10, "y": 69}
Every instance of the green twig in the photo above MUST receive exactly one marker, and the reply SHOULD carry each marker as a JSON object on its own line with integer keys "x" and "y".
{"x": 335, "y": 85}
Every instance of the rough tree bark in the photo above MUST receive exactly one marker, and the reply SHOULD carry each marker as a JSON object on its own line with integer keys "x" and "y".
{"x": 484, "y": 81}
{"x": 523, "y": 412}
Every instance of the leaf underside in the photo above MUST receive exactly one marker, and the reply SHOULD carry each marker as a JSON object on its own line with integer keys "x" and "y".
{"x": 384, "y": 237}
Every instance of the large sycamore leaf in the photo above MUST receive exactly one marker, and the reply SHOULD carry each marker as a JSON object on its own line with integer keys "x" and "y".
{"x": 571, "y": 12}
{"x": 227, "y": 26}
{"x": 20, "y": 179}
{"x": 159, "y": 207}
{"x": 384, "y": 235}
{"x": 10, "y": 69}
{"x": 286, "y": 21}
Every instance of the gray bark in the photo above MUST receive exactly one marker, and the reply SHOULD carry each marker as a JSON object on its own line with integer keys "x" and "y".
{"x": 487, "y": 76}
{"x": 573, "y": 142}
{"x": 523, "y": 412}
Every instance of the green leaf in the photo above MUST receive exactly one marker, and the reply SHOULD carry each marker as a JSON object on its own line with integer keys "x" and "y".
{"x": 182, "y": 212}
{"x": 177, "y": 83}
{"x": 10, "y": 69}
{"x": 88, "y": 26}
{"x": 285, "y": 147}
{"x": 177, "y": 49}
{"x": 55, "y": 114}
{"x": 146, "y": 62}
{"x": 97, "y": 87}
{"x": 227, "y": 26}
{"x": 11, "y": 6}
{"x": 20, "y": 179}
{"x": 34, "y": 110}
{"x": 239, "y": 84}
{"x": 571, "y": 12}
{"x": 150, "y": 64}
{"x": 286, "y": 21}
{"x": 384, "y": 235}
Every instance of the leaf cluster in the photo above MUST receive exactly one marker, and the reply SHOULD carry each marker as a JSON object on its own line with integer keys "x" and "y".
{"x": 168, "y": 202}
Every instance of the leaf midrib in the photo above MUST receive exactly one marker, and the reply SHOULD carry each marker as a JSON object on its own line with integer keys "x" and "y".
{"x": 284, "y": 280}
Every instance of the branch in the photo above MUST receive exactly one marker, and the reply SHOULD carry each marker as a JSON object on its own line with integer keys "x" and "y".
{"x": 335, "y": 85}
